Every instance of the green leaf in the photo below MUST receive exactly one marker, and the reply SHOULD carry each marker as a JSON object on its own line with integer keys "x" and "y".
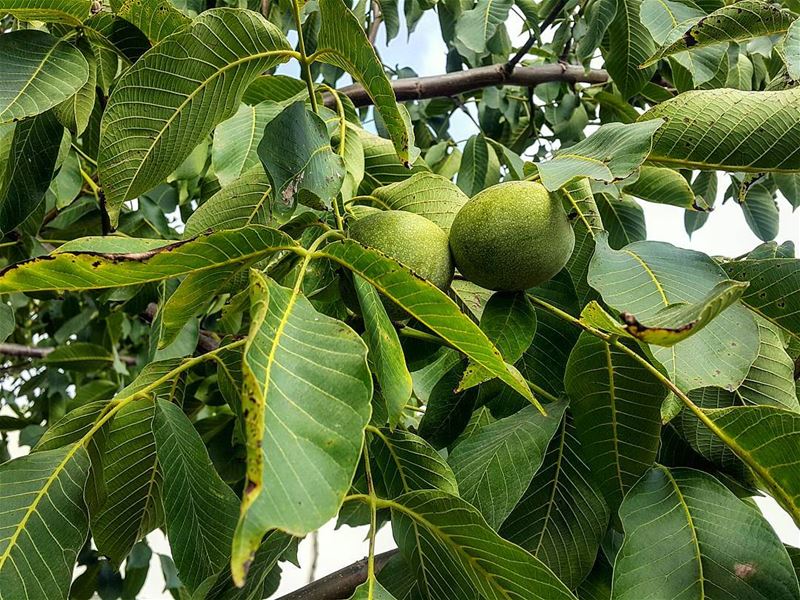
{"x": 562, "y": 516}
{"x": 730, "y": 130}
{"x": 371, "y": 590}
{"x": 645, "y": 277}
{"x": 38, "y": 72}
{"x": 72, "y": 426}
{"x": 132, "y": 506}
{"x": 29, "y": 168}
{"x": 96, "y": 263}
{"x": 381, "y": 165}
{"x": 611, "y": 153}
{"x": 480, "y": 167}
{"x": 272, "y": 549}
{"x": 342, "y": 42}
{"x": 587, "y": 225}
{"x": 448, "y": 410}
{"x": 765, "y": 439}
{"x": 155, "y": 118}
{"x": 791, "y": 50}
{"x": 7, "y": 321}
{"x": 617, "y": 408}
{"x": 385, "y": 351}
{"x": 774, "y": 291}
{"x": 69, "y": 12}
{"x": 75, "y": 112}
{"x": 244, "y": 202}
{"x": 432, "y": 196}
{"x": 675, "y": 322}
{"x": 406, "y": 463}
{"x": 44, "y": 522}
{"x": 599, "y": 16}
{"x": 292, "y": 399}
{"x": 736, "y": 22}
{"x": 80, "y": 356}
{"x": 199, "y": 507}
{"x": 630, "y": 44}
{"x": 663, "y": 186}
{"x": 771, "y": 377}
{"x": 495, "y": 465}
{"x": 546, "y": 359}
{"x": 661, "y": 17}
{"x": 455, "y": 554}
{"x": 475, "y": 27}
{"x": 623, "y": 218}
{"x": 297, "y": 156}
{"x": 689, "y": 537}
{"x": 761, "y": 212}
{"x": 597, "y": 585}
{"x": 236, "y": 140}
{"x": 429, "y": 305}
{"x": 157, "y": 19}
{"x": 509, "y": 320}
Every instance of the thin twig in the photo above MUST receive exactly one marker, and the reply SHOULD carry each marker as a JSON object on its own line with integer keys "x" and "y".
{"x": 548, "y": 20}
{"x": 43, "y": 351}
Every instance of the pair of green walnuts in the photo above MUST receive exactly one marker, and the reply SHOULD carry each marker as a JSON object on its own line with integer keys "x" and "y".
{"x": 511, "y": 236}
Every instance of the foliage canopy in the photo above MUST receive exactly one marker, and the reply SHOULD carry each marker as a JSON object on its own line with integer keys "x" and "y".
{"x": 178, "y": 354}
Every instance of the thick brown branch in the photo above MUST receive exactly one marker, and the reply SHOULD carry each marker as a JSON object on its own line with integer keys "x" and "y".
{"x": 340, "y": 584}
{"x": 451, "y": 84}
{"x": 41, "y": 352}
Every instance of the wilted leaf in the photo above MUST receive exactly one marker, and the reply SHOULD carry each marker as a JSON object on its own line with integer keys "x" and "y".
{"x": 95, "y": 263}
{"x": 676, "y": 322}
{"x": 297, "y": 156}
{"x": 645, "y": 277}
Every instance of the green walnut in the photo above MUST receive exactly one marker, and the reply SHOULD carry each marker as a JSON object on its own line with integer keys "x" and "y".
{"x": 511, "y": 236}
{"x": 411, "y": 240}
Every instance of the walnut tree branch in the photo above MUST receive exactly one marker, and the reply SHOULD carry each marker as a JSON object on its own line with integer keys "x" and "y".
{"x": 340, "y": 584}
{"x": 42, "y": 351}
{"x": 451, "y": 84}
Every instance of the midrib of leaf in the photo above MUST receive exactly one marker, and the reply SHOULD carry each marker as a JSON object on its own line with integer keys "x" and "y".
{"x": 113, "y": 408}
{"x": 551, "y": 501}
{"x": 612, "y": 392}
{"x": 692, "y": 529}
{"x": 581, "y": 214}
{"x": 192, "y": 94}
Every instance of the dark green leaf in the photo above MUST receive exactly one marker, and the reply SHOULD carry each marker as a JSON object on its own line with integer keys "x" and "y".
{"x": 687, "y": 536}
